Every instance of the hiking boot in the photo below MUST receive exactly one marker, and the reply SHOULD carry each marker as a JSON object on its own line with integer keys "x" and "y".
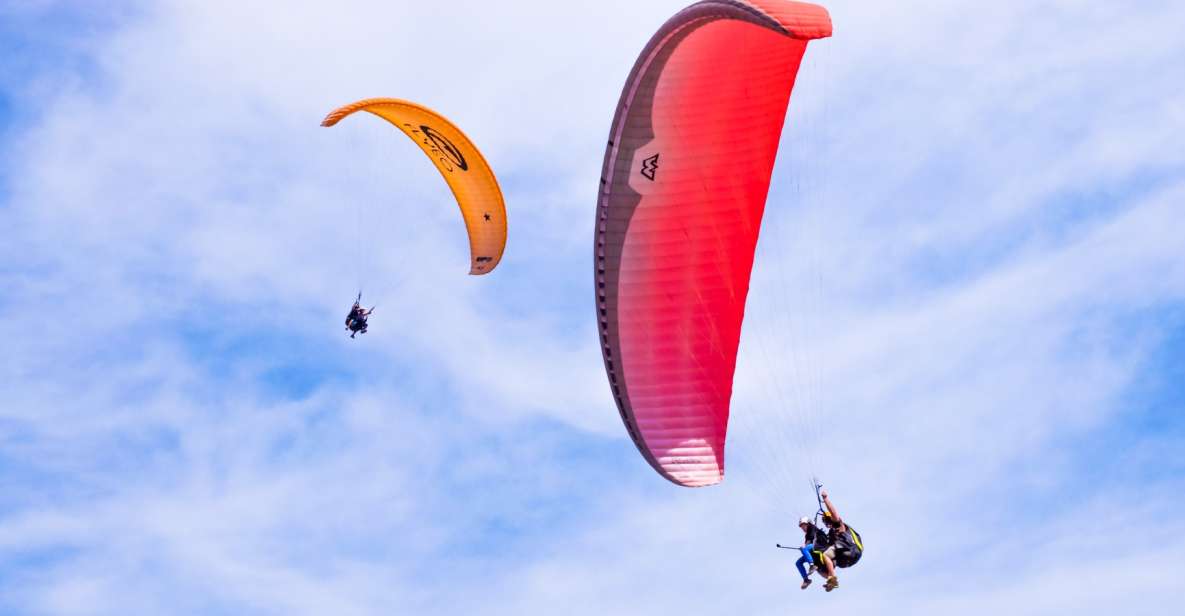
{"x": 806, "y": 582}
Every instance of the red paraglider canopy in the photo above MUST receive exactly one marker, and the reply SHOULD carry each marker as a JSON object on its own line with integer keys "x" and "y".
{"x": 683, "y": 191}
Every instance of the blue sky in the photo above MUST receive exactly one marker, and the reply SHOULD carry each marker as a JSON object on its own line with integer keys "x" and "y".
{"x": 968, "y": 317}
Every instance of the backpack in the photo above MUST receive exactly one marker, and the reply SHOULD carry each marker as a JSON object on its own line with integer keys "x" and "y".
{"x": 848, "y": 555}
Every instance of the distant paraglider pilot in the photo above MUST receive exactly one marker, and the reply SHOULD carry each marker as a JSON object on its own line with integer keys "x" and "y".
{"x": 356, "y": 320}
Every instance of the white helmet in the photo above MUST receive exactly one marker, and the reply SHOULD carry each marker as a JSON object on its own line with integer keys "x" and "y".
{"x": 804, "y": 520}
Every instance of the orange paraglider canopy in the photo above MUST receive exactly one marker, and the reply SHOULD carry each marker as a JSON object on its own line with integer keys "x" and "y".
{"x": 464, "y": 168}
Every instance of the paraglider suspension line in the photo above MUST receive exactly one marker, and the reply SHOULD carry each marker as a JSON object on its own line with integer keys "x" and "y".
{"x": 818, "y": 497}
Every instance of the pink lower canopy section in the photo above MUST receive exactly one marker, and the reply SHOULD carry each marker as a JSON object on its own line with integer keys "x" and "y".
{"x": 685, "y": 180}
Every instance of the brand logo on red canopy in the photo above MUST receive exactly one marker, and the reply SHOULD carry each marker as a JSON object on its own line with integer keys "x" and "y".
{"x": 650, "y": 167}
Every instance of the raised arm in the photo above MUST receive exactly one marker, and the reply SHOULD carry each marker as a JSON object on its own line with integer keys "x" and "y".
{"x": 831, "y": 509}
